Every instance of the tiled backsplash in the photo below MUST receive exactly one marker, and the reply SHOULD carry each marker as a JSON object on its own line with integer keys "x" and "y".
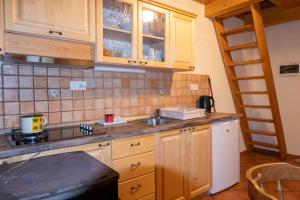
{"x": 26, "y": 90}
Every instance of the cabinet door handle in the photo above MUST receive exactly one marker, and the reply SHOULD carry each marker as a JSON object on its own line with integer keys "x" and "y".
{"x": 57, "y": 32}
{"x": 192, "y": 67}
{"x": 135, "y": 145}
{"x": 5, "y": 163}
{"x": 143, "y": 62}
{"x": 135, "y": 189}
{"x": 104, "y": 145}
{"x": 133, "y": 166}
{"x": 131, "y": 61}
{"x": 227, "y": 130}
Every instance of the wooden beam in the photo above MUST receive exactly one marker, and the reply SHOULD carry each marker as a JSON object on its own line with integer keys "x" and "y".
{"x": 284, "y": 4}
{"x": 274, "y": 15}
{"x": 222, "y": 7}
{"x": 204, "y": 1}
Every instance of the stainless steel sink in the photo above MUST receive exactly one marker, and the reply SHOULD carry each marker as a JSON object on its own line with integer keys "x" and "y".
{"x": 155, "y": 121}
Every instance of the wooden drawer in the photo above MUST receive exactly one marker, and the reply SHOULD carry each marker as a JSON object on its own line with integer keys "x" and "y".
{"x": 134, "y": 166}
{"x": 137, "y": 187}
{"x": 132, "y": 146}
{"x": 149, "y": 197}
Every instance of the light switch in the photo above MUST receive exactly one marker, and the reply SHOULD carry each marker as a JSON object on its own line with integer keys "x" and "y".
{"x": 77, "y": 85}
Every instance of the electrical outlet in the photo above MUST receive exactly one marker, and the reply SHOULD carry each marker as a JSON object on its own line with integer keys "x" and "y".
{"x": 77, "y": 85}
{"x": 54, "y": 93}
{"x": 194, "y": 87}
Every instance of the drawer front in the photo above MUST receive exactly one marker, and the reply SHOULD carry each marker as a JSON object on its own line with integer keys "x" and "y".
{"x": 149, "y": 197}
{"x": 134, "y": 166}
{"x": 137, "y": 188}
{"x": 132, "y": 146}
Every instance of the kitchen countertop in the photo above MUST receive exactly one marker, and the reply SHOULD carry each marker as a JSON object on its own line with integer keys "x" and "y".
{"x": 113, "y": 132}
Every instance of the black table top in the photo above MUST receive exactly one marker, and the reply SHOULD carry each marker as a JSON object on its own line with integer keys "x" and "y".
{"x": 51, "y": 175}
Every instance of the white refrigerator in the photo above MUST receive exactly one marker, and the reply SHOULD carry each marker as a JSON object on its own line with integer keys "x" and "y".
{"x": 225, "y": 155}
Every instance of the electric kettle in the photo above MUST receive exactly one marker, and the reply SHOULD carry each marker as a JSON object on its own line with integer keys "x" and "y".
{"x": 206, "y": 102}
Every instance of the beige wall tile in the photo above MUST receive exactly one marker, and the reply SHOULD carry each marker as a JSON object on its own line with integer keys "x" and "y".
{"x": 55, "y": 118}
{"x": 10, "y": 82}
{"x": 67, "y": 116}
{"x": 40, "y": 94}
{"x": 10, "y": 69}
{"x": 11, "y": 95}
{"x": 26, "y": 81}
{"x": 41, "y": 106}
{"x": 54, "y": 106}
{"x": 78, "y": 104}
{"x": 12, "y": 121}
{"x": 66, "y": 105}
{"x": 27, "y": 107}
{"x": 40, "y": 82}
{"x": 78, "y": 116}
{"x": 11, "y": 108}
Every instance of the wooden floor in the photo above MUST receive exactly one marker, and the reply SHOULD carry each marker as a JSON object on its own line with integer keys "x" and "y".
{"x": 239, "y": 191}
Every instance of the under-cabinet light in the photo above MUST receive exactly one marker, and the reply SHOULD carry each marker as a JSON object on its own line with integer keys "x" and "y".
{"x": 119, "y": 69}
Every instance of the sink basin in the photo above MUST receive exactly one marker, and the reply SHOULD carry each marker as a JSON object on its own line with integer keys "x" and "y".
{"x": 155, "y": 121}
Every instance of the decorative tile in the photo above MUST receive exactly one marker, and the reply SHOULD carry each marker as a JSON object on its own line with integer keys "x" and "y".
{"x": 11, "y": 95}
{"x": 26, "y": 81}
{"x": 41, "y": 106}
{"x": 40, "y": 82}
{"x": 10, "y": 69}
{"x": 40, "y": 71}
{"x": 53, "y": 82}
{"x": 67, "y": 116}
{"x": 52, "y": 71}
{"x": 11, "y": 108}
{"x": 25, "y": 70}
{"x": 12, "y": 121}
{"x": 40, "y": 94}
{"x": 26, "y": 95}
{"x": 10, "y": 81}
{"x": 66, "y": 105}
{"x": 54, "y": 106}
{"x": 27, "y": 107}
{"x": 78, "y": 116}
{"x": 89, "y": 115}
{"x": 55, "y": 118}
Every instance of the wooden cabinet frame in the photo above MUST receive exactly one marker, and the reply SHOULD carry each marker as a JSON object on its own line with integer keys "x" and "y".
{"x": 100, "y": 37}
{"x": 182, "y": 60}
{"x": 1, "y": 27}
{"x": 166, "y": 63}
{"x": 86, "y": 34}
{"x": 184, "y": 154}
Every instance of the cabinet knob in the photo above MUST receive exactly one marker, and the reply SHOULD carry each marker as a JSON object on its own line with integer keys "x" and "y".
{"x": 143, "y": 62}
{"x": 133, "y": 166}
{"x": 104, "y": 145}
{"x": 5, "y": 163}
{"x": 131, "y": 61}
{"x": 227, "y": 130}
{"x": 135, "y": 145}
{"x": 135, "y": 189}
{"x": 0, "y": 49}
{"x": 57, "y": 32}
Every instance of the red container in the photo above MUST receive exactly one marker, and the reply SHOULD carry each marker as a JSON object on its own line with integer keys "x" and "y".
{"x": 109, "y": 118}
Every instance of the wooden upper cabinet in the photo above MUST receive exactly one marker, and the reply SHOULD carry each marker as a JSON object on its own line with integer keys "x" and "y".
{"x": 1, "y": 28}
{"x": 170, "y": 166}
{"x": 153, "y": 35}
{"x": 199, "y": 172}
{"x": 182, "y": 41}
{"x": 116, "y": 31}
{"x": 66, "y": 19}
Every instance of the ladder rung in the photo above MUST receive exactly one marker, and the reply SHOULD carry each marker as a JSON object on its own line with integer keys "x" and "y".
{"x": 252, "y": 92}
{"x": 259, "y": 119}
{"x": 248, "y": 62}
{"x": 255, "y": 106}
{"x": 242, "y": 29}
{"x": 263, "y": 144}
{"x": 259, "y": 132}
{"x": 249, "y": 78}
{"x": 243, "y": 46}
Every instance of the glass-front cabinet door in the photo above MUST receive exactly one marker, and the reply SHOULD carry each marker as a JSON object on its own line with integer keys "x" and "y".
{"x": 153, "y": 34}
{"x": 117, "y": 31}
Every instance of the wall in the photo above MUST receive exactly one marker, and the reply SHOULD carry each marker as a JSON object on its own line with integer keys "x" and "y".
{"x": 26, "y": 90}
{"x": 284, "y": 48}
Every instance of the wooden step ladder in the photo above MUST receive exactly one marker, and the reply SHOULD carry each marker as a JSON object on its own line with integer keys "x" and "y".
{"x": 258, "y": 27}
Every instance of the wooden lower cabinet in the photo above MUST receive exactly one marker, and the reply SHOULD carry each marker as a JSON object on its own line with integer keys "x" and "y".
{"x": 183, "y": 163}
{"x": 100, "y": 150}
{"x": 137, "y": 188}
{"x": 200, "y": 164}
{"x": 170, "y": 165}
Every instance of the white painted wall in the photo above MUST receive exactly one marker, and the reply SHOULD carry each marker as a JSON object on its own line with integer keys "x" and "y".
{"x": 284, "y": 48}
{"x": 208, "y": 56}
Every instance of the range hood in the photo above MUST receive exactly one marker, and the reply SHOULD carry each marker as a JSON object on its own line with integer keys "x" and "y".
{"x": 20, "y": 59}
